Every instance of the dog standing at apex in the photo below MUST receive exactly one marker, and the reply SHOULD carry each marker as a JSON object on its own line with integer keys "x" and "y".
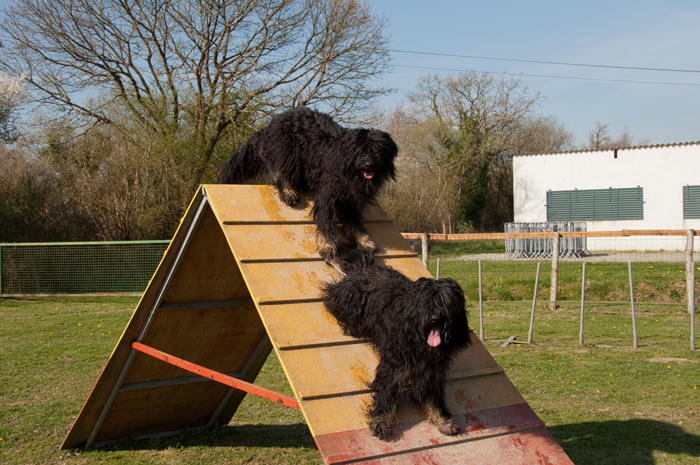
{"x": 344, "y": 170}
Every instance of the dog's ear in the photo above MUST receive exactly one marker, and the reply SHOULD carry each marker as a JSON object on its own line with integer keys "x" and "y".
{"x": 387, "y": 150}
{"x": 356, "y": 145}
{"x": 451, "y": 294}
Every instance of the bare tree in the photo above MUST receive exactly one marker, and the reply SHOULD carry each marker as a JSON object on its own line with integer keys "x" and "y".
{"x": 199, "y": 66}
{"x": 459, "y": 136}
{"x": 11, "y": 97}
{"x": 599, "y": 138}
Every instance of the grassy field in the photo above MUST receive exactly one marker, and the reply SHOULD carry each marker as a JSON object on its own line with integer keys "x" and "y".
{"x": 605, "y": 402}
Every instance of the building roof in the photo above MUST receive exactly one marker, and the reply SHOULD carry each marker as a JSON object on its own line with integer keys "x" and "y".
{"x": 638, "y": 147}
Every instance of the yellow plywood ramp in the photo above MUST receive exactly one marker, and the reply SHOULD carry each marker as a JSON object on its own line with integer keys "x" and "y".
{"x": 242, "y": 276}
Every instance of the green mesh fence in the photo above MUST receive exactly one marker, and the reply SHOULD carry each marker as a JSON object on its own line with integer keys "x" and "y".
{"x": 79, "y": 267}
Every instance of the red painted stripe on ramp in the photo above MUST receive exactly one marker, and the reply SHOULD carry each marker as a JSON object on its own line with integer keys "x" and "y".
{"x": 518, "y": 428}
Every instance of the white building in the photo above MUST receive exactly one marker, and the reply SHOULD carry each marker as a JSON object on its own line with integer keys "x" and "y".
{"x": 647, "y": 187}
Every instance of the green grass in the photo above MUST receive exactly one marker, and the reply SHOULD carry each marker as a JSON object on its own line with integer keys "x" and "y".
{"x": 605, "y": 402}
{"x": 514, "y": 280}
{"x": 456, "y": 248}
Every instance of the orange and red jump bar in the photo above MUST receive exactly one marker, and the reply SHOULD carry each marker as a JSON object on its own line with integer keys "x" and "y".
{"x": 276, "y": 397}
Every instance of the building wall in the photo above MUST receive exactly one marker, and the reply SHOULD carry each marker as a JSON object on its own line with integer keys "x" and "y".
{"x": 661, "y": 171}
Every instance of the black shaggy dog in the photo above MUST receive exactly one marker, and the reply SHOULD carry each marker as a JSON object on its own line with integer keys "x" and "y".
{"x": 417, "y": 328}
{"x": 343, "y": 168}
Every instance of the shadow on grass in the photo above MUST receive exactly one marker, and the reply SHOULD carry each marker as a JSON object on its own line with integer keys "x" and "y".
{"x": 286, "y": 436}
{"x": 623, "y": 442}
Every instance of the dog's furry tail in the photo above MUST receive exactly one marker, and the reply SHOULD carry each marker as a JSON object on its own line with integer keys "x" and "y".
{"x": 244, "y": 165}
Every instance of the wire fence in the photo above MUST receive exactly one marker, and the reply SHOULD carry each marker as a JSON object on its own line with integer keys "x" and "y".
{"x": 621, "y": 271}
{"x": 78, "y": 267}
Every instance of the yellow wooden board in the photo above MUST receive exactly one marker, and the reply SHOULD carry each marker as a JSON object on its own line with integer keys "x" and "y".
{"x": 243, "y": 276}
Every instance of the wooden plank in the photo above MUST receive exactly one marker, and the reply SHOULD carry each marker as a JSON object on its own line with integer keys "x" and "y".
{"x": 206, "y": 304}
{"x": 494, "y": 436}
{"x": 326, "y": 415}
{"x": 297, "y": 325}
{"x": 166, "y": 408}
{"x": 548, "y": 235}
{"x": 300, "y": 281}
{"x": 350, "y": 368}
{"x": 260, "y": 204}
{"x": 416, "y": 437}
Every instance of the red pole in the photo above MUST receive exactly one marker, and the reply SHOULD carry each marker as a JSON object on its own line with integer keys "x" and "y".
{"x": 276, "y": 397}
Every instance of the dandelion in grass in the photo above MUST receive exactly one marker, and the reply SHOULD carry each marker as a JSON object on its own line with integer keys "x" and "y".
{"x": 668, "y": 366}
{"x": 80, "y": 324}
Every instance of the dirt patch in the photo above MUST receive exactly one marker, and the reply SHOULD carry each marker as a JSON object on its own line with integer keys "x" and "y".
{"x": 669, "y": 360}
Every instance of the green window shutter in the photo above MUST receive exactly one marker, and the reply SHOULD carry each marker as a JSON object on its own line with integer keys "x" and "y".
{"x": 582, "y": 205}
{"x": 691, "y": 202}
{"x": 558, "y": 206}
{"x": 630, "y": 204}
{"x": 596, "y": 205}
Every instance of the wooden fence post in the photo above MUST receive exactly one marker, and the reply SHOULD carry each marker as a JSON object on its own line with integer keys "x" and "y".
{"x": 690, "y": 283}
{"x": 635, "y": 338}
{"x": 583, "y": 302}
{"x": 481, "y": 306}
{"x": 534, "y": 304}
{"x": 555, "y": 271}
{"x": 424, "y": 248}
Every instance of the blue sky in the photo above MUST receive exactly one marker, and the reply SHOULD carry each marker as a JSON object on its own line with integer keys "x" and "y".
{"x": 641, "y": 33}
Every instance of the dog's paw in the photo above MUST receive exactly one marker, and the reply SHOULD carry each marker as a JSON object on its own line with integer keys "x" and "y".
{"x": 289, "y": 196}
{"x": 328, "y": 253}
{"x": 448, "y": 427}
{"x": 382, "y": 429}
{"x": 366, "y": 243}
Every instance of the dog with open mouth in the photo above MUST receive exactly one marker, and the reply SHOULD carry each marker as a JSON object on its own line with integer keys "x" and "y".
{"x": 416, "y": 327}
{"x": 343, "y": 169}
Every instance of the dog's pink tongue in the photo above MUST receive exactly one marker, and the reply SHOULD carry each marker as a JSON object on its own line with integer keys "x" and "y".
{"x": 434, "y": 337}
{"x": 368, "y": 174}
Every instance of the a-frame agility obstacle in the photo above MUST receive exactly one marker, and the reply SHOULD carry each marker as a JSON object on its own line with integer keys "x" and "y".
{"x": 242, "y": 276}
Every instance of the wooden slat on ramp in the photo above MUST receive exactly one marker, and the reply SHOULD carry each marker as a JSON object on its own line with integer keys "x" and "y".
{"x": 242, "y": 276}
